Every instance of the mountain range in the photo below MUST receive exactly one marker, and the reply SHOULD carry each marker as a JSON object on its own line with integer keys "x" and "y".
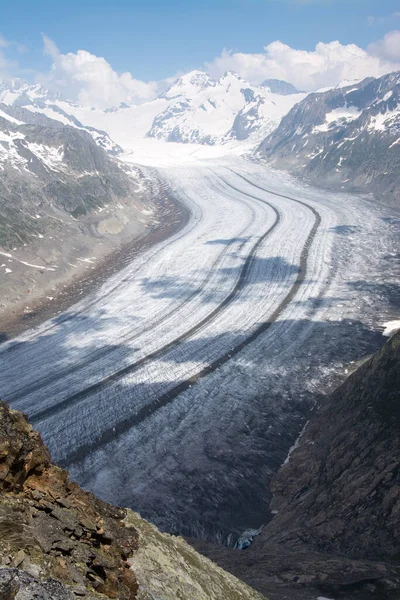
{"x": 347, "y": 138}
{"x": 56, "y": 155}
{"x": 195, "y": 108}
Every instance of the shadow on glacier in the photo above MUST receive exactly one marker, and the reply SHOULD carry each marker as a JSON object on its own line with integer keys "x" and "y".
{"x": 227, "y": 242}
{"x": 258, "y": 270}
{"x": 392, "y": 257}
{"x": 391, "y": 220}
{"x": 345, "y": 229}
{"x": 201, "y": 461}
{"x": 50, "y": 358}
{"x": 314, "y": 302}
{"x": 275, "y": 269}
{"x": 388, "y": 292}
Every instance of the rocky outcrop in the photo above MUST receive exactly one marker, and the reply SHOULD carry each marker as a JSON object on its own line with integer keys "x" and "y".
{"x": 336, "y": 500}
{"x": 59, "y": 542}
{"x": 345, "y": 138}
{"x": 52, "y": 528}
{"x": 167, "y": 568}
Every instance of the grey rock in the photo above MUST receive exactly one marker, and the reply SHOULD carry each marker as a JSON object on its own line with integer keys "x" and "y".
{"x": 51, "y": 167}
{"x": 19, "y": 585}
{"x": 344, "y": 138}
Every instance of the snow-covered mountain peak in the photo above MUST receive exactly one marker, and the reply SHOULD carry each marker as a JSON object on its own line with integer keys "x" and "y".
{"x": 232, "y": 76}
{"x": 197, "y": 78}
{"x": 196, "y": 108}
{"x": 189, "y": 84}
{"x": 16, "y": 91}
{"x": 232, "y": 82}
{"x": 202, "y": 110}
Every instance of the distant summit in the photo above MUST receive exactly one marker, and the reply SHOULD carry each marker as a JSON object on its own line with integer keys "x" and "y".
{"x": 203, "y": 110}
{"x": 195, "y": 108}
{"x": 277, "y": 86}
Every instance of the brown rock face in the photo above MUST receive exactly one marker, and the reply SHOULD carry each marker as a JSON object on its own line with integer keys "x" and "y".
{"x": 337, "y": 527}
{"x": 50, "y": 527}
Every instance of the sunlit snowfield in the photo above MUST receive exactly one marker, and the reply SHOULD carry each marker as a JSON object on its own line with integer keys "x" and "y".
{"x": 178, "y": 387}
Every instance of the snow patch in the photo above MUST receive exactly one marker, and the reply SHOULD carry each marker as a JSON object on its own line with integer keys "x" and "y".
{"x": 344, "y": 114}
{"x": 391, "y": 327}
{"x": 383, "y": 121}
{"x": 49, "y": 155}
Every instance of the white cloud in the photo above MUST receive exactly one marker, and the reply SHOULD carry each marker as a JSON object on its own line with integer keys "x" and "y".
{"x": 90, "y": 79}
{"x": 327, "y": 65}
{"x": 388, "y": 48}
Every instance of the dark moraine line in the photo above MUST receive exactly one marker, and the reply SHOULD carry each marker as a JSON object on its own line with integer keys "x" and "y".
{"x": 78, "y": 397}
{"x": 315, "y": 212}
{"x": 125, "y": 425}
{"x": 96, "y": 355}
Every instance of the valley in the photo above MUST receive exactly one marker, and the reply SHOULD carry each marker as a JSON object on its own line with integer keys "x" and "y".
{"x": 200, "y": 300}
{"x": 178, "y": 386}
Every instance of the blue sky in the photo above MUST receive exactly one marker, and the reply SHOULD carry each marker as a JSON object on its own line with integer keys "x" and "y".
{"x": 154, "y": 39}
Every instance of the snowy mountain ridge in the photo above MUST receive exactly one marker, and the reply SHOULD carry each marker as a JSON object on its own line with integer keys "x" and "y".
{"x": 345, "y": 137}
{"x": 36, "y": 99}
{"x": 209, "y": 111}
{"x": 196, "y": 108}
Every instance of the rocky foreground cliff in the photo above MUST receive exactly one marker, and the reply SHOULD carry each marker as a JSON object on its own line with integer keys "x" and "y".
{"x": 336, "y": 500}
{"x": 59, "y": 542}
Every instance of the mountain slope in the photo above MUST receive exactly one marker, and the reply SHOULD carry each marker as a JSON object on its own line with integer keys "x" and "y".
{"x": 45, "y": 167}
{"x": 65, "y": 205}
{"x": 336, "y": 499}
{"x": 348, "y": 138}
